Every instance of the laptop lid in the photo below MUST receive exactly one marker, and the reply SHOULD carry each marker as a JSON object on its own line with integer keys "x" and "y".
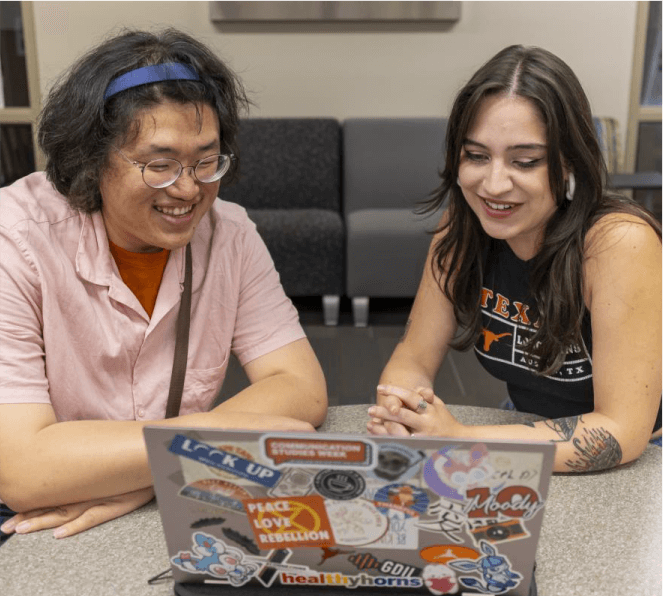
{"x": 286, "y": 511}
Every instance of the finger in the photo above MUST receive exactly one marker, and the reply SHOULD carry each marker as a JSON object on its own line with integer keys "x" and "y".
{"x": 42, "y": 519}
{"x": 394, "y": 390}
{"x": 376, "y": 428}
{"x": 391, "y": 402}
{"x": 105, "y": 511}
{"x": 427, "y": 393}
{"x": 397, "y": 430}
{"x": 381, "y": 413}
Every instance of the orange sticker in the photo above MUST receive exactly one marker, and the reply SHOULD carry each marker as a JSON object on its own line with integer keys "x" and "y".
{"x": 443, "y": 553}
{"x": 316, "y": 452}
{"x": 289, "y": 522}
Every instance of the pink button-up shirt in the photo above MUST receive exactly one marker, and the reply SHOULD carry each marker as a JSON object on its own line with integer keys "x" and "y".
{"x": 72, "y": 334}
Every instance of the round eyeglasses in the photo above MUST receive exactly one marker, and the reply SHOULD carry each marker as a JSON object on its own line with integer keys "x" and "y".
{"x": 160, "y": 173}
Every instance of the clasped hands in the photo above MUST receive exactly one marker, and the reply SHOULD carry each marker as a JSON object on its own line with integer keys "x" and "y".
{"x": 404, "y": 412}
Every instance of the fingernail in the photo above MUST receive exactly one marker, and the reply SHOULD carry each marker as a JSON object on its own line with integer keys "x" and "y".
{"x": 23, "y": 527}
{"x": 393, "y": 410}
{"x": 371, "y": 411}
{"x": 8, "y": 527}
{"x": 59, "y": 533}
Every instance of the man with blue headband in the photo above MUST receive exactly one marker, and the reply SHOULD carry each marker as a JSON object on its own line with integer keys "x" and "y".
{"x": 126, "y": 285}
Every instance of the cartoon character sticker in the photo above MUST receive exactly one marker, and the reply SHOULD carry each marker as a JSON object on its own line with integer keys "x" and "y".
{"x": 495, "y": 571}
{"x": 439, "y": 579}
{"x": 451, "y": 471}
{"x": 212, "y": 556}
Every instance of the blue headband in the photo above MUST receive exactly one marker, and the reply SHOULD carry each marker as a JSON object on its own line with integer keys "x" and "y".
{"x": 170, "y": 71}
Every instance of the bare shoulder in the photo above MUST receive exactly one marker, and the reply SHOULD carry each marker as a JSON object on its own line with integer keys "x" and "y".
{"x": 620, "y": 233}
{"x": 622, "y": 255}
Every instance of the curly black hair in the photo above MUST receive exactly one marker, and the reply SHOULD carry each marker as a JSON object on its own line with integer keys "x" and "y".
{"x": 77, "y": 128}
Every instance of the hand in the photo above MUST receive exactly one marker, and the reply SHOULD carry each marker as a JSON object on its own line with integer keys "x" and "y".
{"x": 433, "y": 420}
{"x": 394, "y": 398}
{"x": 77, "y": 517}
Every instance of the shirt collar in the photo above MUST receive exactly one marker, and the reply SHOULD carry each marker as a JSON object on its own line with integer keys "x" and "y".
{"x": 94, "y": 262}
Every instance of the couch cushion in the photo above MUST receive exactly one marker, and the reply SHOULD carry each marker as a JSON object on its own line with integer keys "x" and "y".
{"x": 386, "y": 251}
{"x": 307, "y": 246}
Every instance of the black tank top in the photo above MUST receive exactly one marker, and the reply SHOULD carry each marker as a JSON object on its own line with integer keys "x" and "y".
{"x": 508, "y": 321}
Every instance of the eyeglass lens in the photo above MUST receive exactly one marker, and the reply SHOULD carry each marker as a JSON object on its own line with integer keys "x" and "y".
{"x": 163, "y": 172}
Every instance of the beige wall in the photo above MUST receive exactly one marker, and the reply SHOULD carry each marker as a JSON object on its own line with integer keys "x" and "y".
{"x": 343, "y": 70}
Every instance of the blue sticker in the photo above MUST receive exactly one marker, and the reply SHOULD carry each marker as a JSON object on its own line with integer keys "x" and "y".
{"x": 229, "y": 462}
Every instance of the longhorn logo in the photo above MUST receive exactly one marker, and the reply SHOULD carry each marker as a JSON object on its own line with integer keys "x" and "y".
{"x": 489, "y": 337}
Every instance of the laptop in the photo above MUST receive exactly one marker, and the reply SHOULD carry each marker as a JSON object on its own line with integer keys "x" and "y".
{"x": 290, "y": 513}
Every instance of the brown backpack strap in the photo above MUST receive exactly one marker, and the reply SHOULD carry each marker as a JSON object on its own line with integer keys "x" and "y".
{"x": 181, "y": 343}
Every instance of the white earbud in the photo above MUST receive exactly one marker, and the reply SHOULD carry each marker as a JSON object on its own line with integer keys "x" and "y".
{"x": 570, "y": 186}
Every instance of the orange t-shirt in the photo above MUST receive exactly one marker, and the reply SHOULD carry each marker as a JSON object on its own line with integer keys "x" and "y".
{"x": 142, "y": 272}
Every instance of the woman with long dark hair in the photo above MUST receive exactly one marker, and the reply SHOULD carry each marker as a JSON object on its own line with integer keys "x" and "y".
{"x": 554, "y": 280}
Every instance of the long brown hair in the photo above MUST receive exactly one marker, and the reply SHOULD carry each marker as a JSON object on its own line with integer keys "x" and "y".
{"x": 556, "y": 280}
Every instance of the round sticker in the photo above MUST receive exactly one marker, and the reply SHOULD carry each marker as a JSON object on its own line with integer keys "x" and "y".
{"x": 409, "y": 500}
{"x": 355, "y": 523}
{"x": 341, "y": 485}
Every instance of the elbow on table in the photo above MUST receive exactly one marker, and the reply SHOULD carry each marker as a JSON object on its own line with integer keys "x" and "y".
{"x": 21, "y": 496}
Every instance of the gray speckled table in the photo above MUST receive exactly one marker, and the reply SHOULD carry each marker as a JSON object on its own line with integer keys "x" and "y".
{"x": 601, "y": 535}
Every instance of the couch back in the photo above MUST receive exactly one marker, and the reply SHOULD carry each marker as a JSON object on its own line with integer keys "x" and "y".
{"x": 288, "y": 163}
{"x": 391, "y": 163}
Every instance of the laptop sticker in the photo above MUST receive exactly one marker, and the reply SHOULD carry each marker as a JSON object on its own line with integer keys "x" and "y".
{"x": 206, "y": 522}
{"x": 340, "y": 485}
{"x": 322, "y": 453}
{"x": 243, "y": 541}
{"x": 447, "y": 517}
{"x": 451, "y": 470}
{"x": 223, "y": 460}
{"x": 212, "y": 556}
{"x": 495, "y": 570}
{"x": 406, "y": 499}
{"x": 494, "y": 531}
{"x": 294, "y": 482}
{"x": 397, "y": 462}
{"x": 443, "y": 553}
{"x": 367, "y": 562}
{"x": 511, "y": 501}
{"x": 290, "y": 522}
{"x": 356, "y": 522}
{"x": 440, "y": 579}
{"x": 219, "y": 493}
{"x": 362, "y": 580}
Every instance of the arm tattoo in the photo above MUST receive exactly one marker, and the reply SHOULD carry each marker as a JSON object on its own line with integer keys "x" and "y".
{"x": 596, "y": 449}
{"x": 564, "y": 427}
{"x": 407, "y": 328}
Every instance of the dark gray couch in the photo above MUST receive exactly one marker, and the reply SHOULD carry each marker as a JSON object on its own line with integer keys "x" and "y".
{"x": 291, "y": 187}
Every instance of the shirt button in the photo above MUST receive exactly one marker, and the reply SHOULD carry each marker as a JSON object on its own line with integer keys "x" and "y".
{"x": 141, "y": 413}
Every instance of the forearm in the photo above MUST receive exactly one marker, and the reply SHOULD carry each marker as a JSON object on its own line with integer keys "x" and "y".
{"x": 283, "y": 394}
{"x": 585, "y": 443}
{"x": 69, "y": 462}
{"x": 405, "y": 369}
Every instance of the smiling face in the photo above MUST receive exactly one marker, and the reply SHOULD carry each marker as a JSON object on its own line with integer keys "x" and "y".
{"x": 503, "y": 172}
{"x": 139, "y": 218}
